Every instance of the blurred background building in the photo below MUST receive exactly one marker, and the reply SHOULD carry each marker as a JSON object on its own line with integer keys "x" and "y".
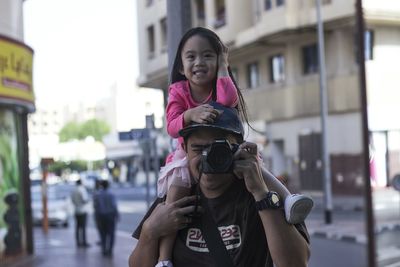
{"x": 273, "y": 56}
{"x": 383, "y": 20}
{"x": 123, "y": 109}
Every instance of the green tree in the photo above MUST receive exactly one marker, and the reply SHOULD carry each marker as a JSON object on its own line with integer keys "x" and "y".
{"x": 70, "y": 131}
{"x": 94, "y": 127}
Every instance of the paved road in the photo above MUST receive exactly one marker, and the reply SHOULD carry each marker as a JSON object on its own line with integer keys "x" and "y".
{"x": 388, "y": 246}
{"x": 333, "y": 253}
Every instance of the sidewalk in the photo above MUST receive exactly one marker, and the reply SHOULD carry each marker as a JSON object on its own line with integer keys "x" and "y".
{"x": 354, "y": 230}
{"x": 57, "y": 249}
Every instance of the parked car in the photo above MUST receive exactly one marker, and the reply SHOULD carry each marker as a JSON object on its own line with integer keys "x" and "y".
{"x": 59, "y": 205}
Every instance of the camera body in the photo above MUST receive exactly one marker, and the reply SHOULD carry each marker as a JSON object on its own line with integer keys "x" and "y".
{"x": 218, "y": 157}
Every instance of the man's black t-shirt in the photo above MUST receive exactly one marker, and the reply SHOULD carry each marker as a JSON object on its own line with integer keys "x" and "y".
{"x": 240, "y": 227}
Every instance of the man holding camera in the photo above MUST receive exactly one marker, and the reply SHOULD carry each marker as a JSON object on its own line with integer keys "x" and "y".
{"x": 232, "y": 219}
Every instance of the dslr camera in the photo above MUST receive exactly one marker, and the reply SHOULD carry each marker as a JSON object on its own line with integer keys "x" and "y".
{"x": 218, "y": 157}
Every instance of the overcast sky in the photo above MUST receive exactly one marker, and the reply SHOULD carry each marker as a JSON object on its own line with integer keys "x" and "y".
{"x": 82, "y": 47}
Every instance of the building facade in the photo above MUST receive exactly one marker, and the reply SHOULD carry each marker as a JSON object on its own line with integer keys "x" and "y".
{"x": 16, "y": 101}
{"x": 383, "y": 21}
{"x": 273, "y": 56}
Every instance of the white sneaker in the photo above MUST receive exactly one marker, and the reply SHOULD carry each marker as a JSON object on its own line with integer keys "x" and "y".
{"x": 297, "y": 208}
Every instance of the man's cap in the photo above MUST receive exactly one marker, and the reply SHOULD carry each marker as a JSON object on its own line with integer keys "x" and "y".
{"x": 228, "y": 121}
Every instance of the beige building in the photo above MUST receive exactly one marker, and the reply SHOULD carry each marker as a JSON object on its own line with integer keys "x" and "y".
{"x": 273, "y": 55}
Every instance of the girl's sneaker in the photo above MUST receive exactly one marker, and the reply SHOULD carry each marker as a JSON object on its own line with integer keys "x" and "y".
{"x": 297, "y": 208}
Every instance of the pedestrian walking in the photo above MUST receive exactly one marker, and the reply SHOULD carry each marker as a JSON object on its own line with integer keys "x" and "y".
{"x": 105, "y": 207}
{"x": 97, "y": 188}
{"x": 80, "y": 198}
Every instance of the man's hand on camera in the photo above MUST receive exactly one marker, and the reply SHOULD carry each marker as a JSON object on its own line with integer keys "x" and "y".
{"x": 247, "y": 167}
{"x": 168, "y": 218}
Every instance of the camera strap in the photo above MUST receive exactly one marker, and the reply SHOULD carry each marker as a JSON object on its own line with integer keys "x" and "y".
{"x": 212, "y": 236}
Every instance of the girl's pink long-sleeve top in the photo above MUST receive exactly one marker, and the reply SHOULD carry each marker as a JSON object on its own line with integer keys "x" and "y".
{"x": 180, "y": 100}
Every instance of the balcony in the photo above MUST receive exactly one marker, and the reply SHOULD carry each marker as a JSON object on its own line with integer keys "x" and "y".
{"x": 302, "y": 99}
{"x": 293, "y": 15}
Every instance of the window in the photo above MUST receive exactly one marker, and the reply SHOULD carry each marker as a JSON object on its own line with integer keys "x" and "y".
{"x": 163, "y": 26}
{"x": 220, "y": 13}
{"x": 151, "y": 41}
{"x": 252, "y": 75}
{"x": 149, "y": 2}
{"x": 369, "y": 44}
{"x": 267, "y": 4}
{"x": 277, "y": 68}
{"x": 280, "y": 2}
{"x": 200, "y": 13}
{"x": 323, "y": 2}
{"x": 310, "y": 59}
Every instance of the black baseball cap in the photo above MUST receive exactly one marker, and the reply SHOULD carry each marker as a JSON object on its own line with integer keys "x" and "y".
{"x": 227, "y": 121}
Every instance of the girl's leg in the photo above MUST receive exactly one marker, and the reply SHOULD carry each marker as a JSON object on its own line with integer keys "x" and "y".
{"x": 274, "y": 184}
{"x": 297, "y": 207}
{"x": 167, "y": 242}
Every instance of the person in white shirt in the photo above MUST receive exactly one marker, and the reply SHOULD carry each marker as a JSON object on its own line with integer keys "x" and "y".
{"x": 80, "y": 198}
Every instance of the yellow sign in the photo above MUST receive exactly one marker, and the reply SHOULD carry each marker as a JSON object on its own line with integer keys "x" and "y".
{"x": 16, "y": 73}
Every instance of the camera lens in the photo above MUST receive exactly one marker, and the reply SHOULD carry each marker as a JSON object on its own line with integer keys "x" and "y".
{"x": 220, "y": 158}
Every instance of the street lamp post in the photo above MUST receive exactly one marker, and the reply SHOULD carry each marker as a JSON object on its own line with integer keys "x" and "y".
{"x": 324, "y": 113}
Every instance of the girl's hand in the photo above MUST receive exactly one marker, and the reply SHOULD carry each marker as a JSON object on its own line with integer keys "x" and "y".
{"x": 223, "y": 57}
{"x": 201, "y": 114}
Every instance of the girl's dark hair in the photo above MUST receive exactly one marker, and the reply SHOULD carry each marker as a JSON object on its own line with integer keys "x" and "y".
{"x": 215, "y": 43}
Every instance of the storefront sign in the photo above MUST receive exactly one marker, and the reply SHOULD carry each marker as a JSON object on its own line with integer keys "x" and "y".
{"x": 16, "y": 73}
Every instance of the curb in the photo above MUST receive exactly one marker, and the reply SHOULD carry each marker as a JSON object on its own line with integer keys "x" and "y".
{"x": 319, "y": 207}
{"x": 359, "y": 239}
{"x": 387, "y": 227}
{"x": 389, "y": 257}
